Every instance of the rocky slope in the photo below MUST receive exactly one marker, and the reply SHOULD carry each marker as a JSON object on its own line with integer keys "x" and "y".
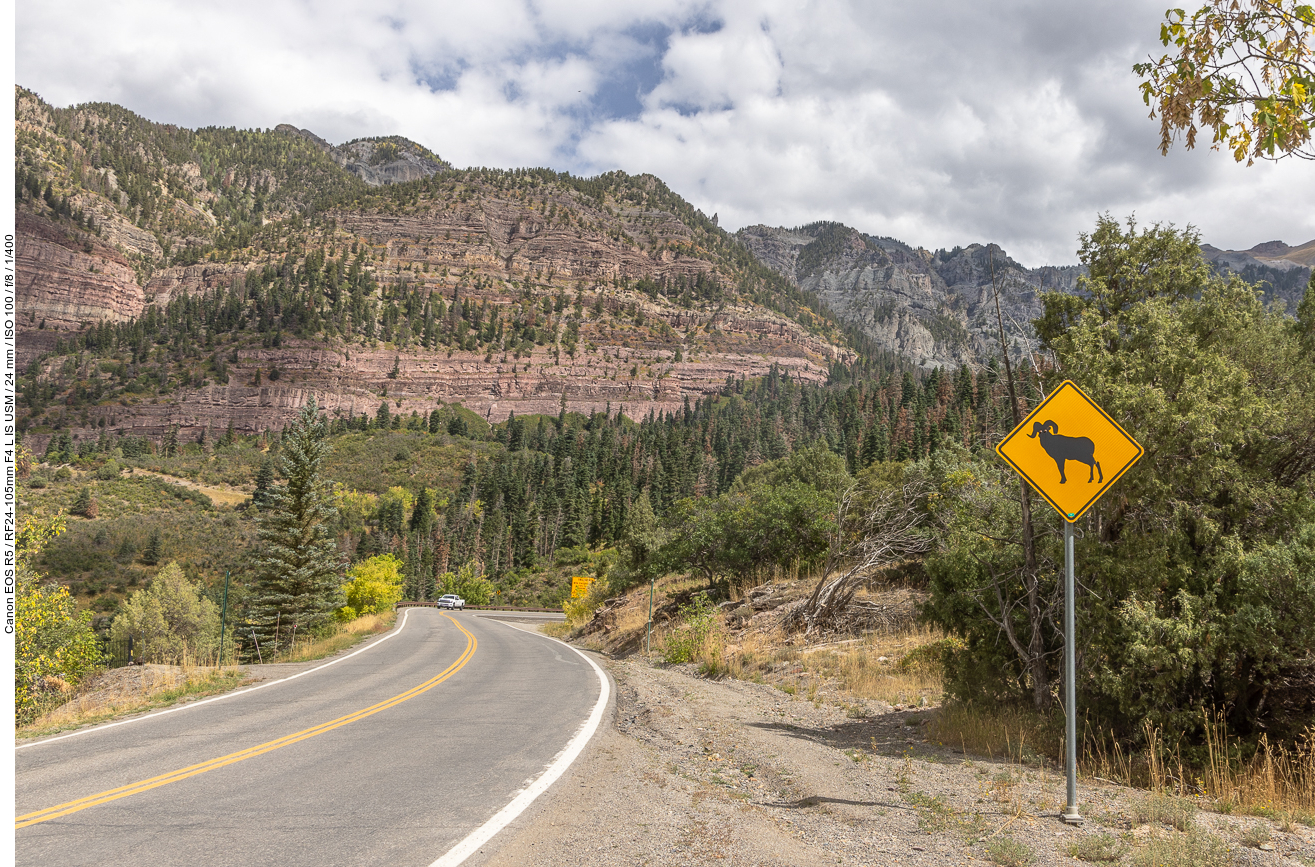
{"x": 65, "y": 281}
{"x": 936, "y": 309}
{"x": 378, "y": 161}
{"x": 619, "y": 291}
{"x": 1282, "y": 270}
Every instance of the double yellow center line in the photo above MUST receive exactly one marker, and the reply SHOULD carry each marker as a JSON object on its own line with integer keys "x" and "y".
{"x": 242, "y": 755}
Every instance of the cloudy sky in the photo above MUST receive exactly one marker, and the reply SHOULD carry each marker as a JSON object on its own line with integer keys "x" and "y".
{"x": 936, "y": 123}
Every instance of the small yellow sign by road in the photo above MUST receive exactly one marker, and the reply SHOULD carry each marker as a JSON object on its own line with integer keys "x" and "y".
{"x": 1069, "y": 450}
{"x": 580, "y": 586}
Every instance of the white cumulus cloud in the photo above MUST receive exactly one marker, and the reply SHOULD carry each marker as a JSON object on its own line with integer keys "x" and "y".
{"x": 939, "y": 124}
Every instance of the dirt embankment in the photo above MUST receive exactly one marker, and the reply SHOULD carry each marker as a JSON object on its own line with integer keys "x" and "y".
{"x": 694, "y": 771}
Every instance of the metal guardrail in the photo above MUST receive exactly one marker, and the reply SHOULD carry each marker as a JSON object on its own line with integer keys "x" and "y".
{"x": 481, "y": 607}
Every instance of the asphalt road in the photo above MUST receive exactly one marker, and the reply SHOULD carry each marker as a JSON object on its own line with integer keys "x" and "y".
{"x": 391, "y": 756}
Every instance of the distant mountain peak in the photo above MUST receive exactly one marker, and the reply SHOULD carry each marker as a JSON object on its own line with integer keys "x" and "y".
{"x": 378, "y": 160}
{"x": 935, "y": 309}
{"x": 1270, "y": 248}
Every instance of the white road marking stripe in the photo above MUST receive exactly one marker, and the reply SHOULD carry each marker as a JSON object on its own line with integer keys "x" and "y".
{"x": 504, "y": 817}
{"x": 373, "y": 644}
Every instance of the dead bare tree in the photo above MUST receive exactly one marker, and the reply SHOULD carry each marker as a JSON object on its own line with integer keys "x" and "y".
{"x": 886, "y": 531}
{"x": 1034, "y": 655}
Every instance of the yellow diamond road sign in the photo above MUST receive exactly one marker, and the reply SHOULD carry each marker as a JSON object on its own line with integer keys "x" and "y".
{"x": 1069, "y": 450}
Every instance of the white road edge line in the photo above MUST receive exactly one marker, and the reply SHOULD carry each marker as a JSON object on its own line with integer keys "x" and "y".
{"x": 504, "y": 817}
{"x": 373, "y": 644}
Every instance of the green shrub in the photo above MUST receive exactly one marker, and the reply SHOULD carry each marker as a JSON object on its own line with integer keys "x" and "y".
{"x": 580, "y": 611}
{"x": 1098, "y": 848}
{"x": 468, "y": 583}
{"x": 688, "y": 641}
{"x": 170, "y": 620}
{"x": 571, "y": 556}
{"x": 1256, "y": 835}
{"x": 1194, "y": 849}
{"x": 373, "y": 585}
{"x": 84, "y": 504}
{"x": 929, "y": 659}
{"x": 53, "y": 642}
{"x": 1009, "y": 853}
{"x": 108, "y": 470}
{"x": 1166, "y": 809}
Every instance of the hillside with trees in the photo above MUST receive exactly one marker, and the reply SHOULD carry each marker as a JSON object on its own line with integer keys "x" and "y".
{"x": 490, "y": 381}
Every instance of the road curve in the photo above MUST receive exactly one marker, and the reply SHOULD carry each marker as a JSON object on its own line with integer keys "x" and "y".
{"x": 394, "y": 756}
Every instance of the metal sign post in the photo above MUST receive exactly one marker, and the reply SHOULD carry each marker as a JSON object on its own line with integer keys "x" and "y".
{"x": 1071, "y": 815}
{"x": 1069, "y": 428}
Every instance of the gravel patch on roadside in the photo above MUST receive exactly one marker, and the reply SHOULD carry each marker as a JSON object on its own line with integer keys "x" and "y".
{"x": 692, "y": 771}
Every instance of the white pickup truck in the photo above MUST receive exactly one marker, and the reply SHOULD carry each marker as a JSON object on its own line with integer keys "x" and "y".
{"x": 451, "y": 600}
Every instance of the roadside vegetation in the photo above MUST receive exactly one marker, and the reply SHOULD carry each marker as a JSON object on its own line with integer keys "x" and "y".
{"x": 1199, "y": 566}
{"x": 857, "y": 542}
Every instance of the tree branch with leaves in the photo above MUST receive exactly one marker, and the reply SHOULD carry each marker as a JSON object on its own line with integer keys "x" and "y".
{"x": 1242, "y": 69}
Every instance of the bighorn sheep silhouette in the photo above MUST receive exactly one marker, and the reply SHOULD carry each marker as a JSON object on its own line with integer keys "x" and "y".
{"x": 1062, "y": 449}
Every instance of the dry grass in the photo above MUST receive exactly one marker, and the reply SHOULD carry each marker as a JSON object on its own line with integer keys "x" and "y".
{"x": 557, "y": 629}
{"x": 899, "y": 666}
{"x": 1098, "y": 848}
{"x": 879, "y": 666}
{"x": 345, "y": 635}
{"x": 1008, "y": 733}
{"x": 120, "y": 691}
{"x": 1196, "y": 848}
{"x": 632, "y": 617}
{"x": 218, "y": 494}
{"x": 1278, "y": 781}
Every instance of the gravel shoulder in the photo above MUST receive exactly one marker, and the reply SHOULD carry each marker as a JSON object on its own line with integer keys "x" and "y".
{"x": 693, "y": 771}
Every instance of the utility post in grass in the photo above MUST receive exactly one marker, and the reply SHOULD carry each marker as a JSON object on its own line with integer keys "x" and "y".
{"x": 648, "y": 628}
{"x": 1067, "y": 428}
{"x": 223, "y": 620}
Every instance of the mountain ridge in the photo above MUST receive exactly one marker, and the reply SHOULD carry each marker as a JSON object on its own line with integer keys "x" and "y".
{"x": 647, "y": 298}
{"x": 225, "y": 276}
{"x": 934, "y": 308}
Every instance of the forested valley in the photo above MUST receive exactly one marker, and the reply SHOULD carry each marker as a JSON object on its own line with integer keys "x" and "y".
{"x": 1196, "y": 597}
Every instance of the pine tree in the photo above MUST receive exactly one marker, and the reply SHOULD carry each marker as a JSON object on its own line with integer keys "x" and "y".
{"x": 297, "y": 566}
{"x": 422, "y": 514}
{"x": 152, "y": 552}
{"x": 264, "y": 480}
{"x": 84, "y": 505}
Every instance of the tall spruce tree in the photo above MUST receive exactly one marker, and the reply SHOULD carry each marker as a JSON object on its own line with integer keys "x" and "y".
{"x": 422, "y": 514}
{"x": 298, "y": 570}
{"x": 151, "y": 554}
{"x": 264, "y": 481}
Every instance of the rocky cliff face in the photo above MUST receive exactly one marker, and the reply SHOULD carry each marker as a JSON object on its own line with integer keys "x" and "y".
{"x": 353, "y": 382}
{"x": 936, "y": 309}
{"x": 65, "y": 282}
{"x": 378, "y": 161}
{"x": 633, "y": 298}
